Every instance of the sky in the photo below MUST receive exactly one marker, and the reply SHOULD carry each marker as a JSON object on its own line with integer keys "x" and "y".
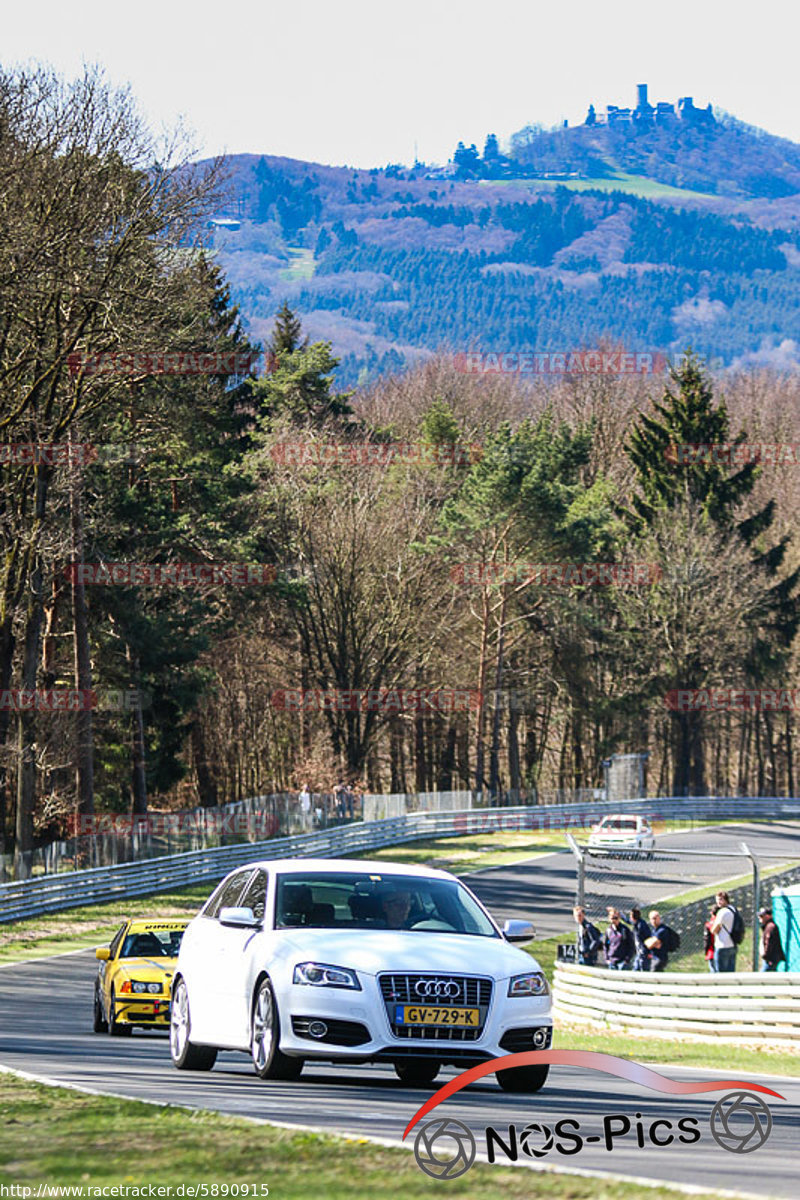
{"x": 358, "y": 83}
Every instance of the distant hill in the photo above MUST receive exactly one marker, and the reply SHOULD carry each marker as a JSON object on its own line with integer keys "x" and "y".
{"x": 654, "y": 236}
{"x": 719, "y": 156}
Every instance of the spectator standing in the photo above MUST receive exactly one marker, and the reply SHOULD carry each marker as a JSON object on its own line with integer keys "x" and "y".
{"x": 722, "y": 929}
{"x": 657, "y": 942}
{"x": 305, "y": 806}
{"x": 618, "y": 942}
{"x": 708, "y": 938}
{"x": 339, "y": 801}
{"x": 589, "y": 939}
{"x": 771, "y": 948}
{"x": 641, "y": 931}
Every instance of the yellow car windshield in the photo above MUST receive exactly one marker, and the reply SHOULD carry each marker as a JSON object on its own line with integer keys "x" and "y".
{"x": 152, "y": 944}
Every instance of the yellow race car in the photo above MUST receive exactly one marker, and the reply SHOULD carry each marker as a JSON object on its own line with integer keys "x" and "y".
{"x": 133, "y": 983}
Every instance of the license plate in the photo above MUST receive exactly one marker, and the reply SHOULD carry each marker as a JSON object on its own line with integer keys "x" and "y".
{"x": 427, "y": 1014}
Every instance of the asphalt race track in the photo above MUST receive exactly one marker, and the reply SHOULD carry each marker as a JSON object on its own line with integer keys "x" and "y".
{"x": 544, "y": 888}
{"x": 45, "y": 1029}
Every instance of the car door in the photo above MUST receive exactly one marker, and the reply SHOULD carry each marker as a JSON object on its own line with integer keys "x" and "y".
{"x": 238, "y": 946}
{"x": 203, "y": 963}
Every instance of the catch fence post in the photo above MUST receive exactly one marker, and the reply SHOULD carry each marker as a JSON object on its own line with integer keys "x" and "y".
{"x": 756, "y": 903}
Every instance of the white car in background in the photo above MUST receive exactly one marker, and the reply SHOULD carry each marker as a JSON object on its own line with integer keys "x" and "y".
{"x": 299, "y": 960}
{"x": 622, "y": 832}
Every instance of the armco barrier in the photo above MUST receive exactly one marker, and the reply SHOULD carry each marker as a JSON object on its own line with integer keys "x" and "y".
{"x": 50, "y": 893}
{"x": 741, "y": 1006}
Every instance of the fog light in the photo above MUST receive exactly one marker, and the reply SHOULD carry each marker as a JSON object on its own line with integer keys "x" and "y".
{"x": 317, "y": 1029}
{"x": 540, "y": 1038}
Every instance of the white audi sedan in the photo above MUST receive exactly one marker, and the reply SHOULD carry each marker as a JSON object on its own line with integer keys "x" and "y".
{"x": 296, "y": 960}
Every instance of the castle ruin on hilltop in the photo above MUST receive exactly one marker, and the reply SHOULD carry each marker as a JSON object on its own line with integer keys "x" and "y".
{"x": 646, "y": 114}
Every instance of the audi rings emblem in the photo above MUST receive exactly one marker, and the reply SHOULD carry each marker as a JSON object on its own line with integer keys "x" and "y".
{"x": 438, "y": 989}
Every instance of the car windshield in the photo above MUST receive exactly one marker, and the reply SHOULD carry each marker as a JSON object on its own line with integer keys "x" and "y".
{"x": 324, "y": 900}
{"x": 615, "y": 825}
{"x": 156, "y": 943}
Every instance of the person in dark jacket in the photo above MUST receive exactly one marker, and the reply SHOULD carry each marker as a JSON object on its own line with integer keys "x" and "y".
{"x": 589, "y": 939}
{"x": 640, "y": 930}
{"x": 618, "y": 942}
{"x": 657, "y": 943}
{"x": 771, "y": 948}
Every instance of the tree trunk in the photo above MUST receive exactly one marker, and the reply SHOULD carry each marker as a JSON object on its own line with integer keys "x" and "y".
{"x": 138, "y": 776}
{"x": 515, "y": 782}
{"x": 206, "y": 784}
{"x": 494, "y": 754}
{"x": 84, "y": 770}
{"x": 26, "y": 733}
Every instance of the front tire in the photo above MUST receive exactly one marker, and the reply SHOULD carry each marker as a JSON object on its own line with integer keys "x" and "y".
{"x": 100, "y": 1024}
{"x": 185, "y": 1056}
{"x": 116, "y": 1028}
{"x": 417, "y": 1072}
{"x": 523, "y": 1079}
{"x": 265, "y": 1036}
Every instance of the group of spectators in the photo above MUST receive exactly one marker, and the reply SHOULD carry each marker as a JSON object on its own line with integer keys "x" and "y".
{"x": 628, "y": 945}
{"x": 344, "y": 803}
{"x": 720, "y": 937}
{"x": 639, "y": 945}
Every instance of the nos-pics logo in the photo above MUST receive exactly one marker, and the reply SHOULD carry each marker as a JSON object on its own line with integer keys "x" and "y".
{"x": 740, "y": 1122}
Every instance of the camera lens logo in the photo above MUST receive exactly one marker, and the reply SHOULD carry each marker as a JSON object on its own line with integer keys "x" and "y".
{"x": 536, "y": 1140}
{"x": 740, "y": 1122}
{"x": 444, "y": 1149}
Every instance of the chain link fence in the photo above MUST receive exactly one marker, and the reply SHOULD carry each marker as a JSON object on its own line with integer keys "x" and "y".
{"x": 682, "y": 885}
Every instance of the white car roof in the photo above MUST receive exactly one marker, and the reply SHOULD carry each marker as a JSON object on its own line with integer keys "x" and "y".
{"x": 288, "y": 866}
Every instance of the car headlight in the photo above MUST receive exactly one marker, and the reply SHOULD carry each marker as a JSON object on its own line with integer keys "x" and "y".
{"x": 533, "y": 984}
{"x": 138, "y": 986}
{"x": 324, "y": 975}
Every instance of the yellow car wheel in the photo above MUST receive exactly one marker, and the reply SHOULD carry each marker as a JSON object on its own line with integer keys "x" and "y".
{"x": 100, "y": 1023}
{"x": 116, "y": 1028}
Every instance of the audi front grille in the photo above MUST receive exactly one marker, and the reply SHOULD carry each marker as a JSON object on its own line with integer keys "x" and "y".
{"x": 473, "y": 992}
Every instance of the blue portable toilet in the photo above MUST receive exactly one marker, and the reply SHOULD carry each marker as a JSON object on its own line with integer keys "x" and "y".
{"x": 786, "y": 913}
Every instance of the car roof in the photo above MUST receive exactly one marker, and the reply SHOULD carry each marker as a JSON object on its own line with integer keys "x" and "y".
{"x": 348, "y": 866}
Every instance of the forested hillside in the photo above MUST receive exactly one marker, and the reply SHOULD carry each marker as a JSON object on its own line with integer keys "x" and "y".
{"x": 395, "y": 265}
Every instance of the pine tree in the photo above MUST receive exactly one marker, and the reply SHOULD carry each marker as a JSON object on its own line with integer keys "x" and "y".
{"x": 287, "y": 333}
{"x": 672, "y": 474}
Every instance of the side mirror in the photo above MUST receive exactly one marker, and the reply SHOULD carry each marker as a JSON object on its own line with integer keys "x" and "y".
{"x": 239, "y": 918}
{"x": 103, "y": 953}
{"x": 518, "y": 931}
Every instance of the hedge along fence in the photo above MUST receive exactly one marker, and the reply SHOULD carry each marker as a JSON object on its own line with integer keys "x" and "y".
{"x": 742, "y": 1007}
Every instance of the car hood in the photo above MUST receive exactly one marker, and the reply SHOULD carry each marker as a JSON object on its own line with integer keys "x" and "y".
{"x": 374, "y": 951}
{"x": 147, "y": 969}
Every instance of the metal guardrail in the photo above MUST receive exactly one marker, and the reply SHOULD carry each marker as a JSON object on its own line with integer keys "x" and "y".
{"x": 746, "y": 1005}
{"x": 51, "y": 893}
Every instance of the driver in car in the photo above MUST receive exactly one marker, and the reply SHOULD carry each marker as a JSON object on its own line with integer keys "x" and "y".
{"x": 395, "y": 907}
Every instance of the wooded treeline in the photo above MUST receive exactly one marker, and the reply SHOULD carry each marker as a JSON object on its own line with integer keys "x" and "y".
{"x": 99, "y": 251}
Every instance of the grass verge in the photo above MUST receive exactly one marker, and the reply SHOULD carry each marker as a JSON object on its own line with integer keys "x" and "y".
{"x": 64, "y": 1137}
